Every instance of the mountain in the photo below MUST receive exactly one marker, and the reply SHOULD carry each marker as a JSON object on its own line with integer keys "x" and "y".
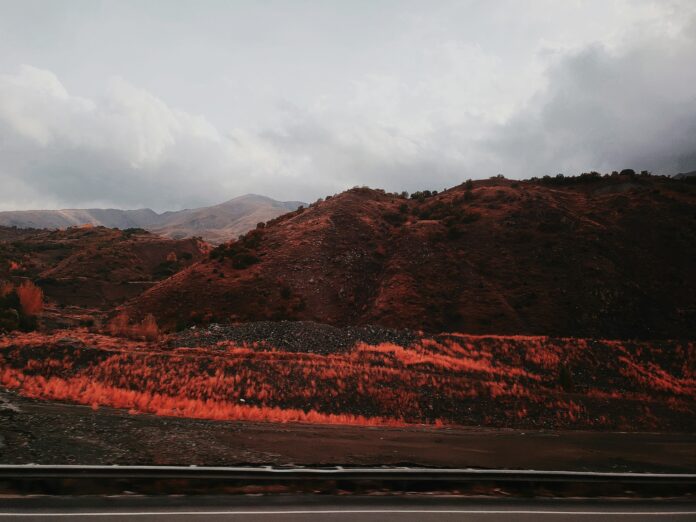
{"x": 590, "y": 257}
{"x": 686, "y": 175}
{"x": 223, "y": 222}
{"x": 215, "y": 224}
{"x": 55, "y": 219}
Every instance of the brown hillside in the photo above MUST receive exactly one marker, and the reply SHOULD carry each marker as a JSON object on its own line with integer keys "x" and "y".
{"x": 93, "y": 266}
{"x": 594, "y": 257}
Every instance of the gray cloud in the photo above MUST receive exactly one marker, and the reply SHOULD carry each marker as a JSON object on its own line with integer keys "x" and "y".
{"x": 219, "y": 104}
{"x": 605, "y": 111}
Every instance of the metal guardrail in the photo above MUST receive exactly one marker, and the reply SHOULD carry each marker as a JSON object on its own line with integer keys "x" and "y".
{"x": 277, "y": 474}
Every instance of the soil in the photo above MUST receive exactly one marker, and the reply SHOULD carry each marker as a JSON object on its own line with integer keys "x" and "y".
{"x": 56, "y": 433}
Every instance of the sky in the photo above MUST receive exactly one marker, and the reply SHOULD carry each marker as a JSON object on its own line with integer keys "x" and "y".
{"x": 171, "y": 104}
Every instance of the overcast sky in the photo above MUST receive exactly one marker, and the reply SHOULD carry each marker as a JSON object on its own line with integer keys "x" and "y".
{"x": 170, "y": 104}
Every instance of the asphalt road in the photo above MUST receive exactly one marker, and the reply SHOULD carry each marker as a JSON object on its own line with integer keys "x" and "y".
{"x": 339, "y": 509}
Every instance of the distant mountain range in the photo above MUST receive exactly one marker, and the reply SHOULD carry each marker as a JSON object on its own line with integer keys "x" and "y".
{"x": 215, "y": 224}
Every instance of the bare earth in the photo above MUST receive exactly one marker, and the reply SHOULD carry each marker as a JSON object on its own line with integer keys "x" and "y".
{"x": 56, "y": 433}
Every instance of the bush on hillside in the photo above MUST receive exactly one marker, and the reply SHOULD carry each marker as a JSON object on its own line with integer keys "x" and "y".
{"x": 19, "y": 306}
{"x": 240, "y": 252}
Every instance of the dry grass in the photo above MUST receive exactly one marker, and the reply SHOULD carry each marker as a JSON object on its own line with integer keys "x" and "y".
{"x": 450, "y": 379}
{"x": 30, "y": 298}
{"x": 146, "y": 330}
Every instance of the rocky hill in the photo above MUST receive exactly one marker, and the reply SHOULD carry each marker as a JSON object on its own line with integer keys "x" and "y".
{"x": 608, "y": 257}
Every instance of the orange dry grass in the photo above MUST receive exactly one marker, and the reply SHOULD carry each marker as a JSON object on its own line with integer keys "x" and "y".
{"x": 84, "y": 391}
{"x": 146, "y": 330}
{"x": 455, "y": 379}
{"x": 118, "y": 326}
{"x": 30, "y": 298}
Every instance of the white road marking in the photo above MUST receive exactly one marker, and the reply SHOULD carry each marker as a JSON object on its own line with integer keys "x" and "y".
{"x": 350, "y": 511}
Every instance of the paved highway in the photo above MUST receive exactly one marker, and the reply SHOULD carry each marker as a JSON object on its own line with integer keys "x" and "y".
{"x": 338, "y": 509}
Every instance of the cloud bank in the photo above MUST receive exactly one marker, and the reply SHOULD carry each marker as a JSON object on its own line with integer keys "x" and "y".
{"x": 629, "y": 103}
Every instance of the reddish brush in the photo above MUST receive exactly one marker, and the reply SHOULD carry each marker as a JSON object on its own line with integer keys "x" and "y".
{"x": 5, "y": 289}
{"x": 148, "y": 329}
{"x": 118, "y": 326}
{"x": 451, "y": 379}
{"x": 30, "y": 298}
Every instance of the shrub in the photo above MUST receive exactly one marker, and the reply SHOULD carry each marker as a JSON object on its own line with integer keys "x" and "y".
{"x": 6, "y": 289}
{"x": 240, "y": 251}
{"x": 9, "y": 319}
{"x": 30, "y": 298}
{"x": 394, "y": 218}
{"x": 423, "y": 194}
{"x": 132, "y": 231}
{"x": 147, "y": 329}
{"x": 244, "y": 259}
{"x": 118, "y": 326}
{"x": 165, "y": 269}
{"x": 565, "y": 379}
{"x": 11, "y": 315}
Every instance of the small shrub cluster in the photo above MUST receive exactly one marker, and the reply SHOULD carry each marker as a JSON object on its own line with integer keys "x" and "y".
{"x": 128, "y": 232}
{"x": 422, "y": 195}
{"x": 242, "y": 252}
{"x": 146, "y": 330}
{"x": 20, "y": 305}
{"x": 589, "y": 177}
{"x": 395, "y": 218}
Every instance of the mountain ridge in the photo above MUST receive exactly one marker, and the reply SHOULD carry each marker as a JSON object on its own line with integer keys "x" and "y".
{"x": 225, "y": 220}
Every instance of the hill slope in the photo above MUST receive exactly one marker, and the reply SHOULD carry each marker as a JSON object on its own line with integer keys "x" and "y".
{"x": 93, "y": 266}
{"x": 610, "y": 258}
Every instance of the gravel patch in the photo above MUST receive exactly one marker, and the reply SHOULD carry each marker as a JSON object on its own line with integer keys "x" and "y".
{"x": 293, "y": 336}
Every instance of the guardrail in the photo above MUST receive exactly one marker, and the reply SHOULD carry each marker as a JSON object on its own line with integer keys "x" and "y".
{"x": 333, "y": 473}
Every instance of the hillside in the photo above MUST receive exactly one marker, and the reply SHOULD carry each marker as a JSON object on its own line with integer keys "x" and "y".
{"x": 93, "y": 266}
{"x": 216, "y": 224}
{"x": 588, "y": 257}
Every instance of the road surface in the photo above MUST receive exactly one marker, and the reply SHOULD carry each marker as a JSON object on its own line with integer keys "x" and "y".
{"x": 338, "y": 509}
